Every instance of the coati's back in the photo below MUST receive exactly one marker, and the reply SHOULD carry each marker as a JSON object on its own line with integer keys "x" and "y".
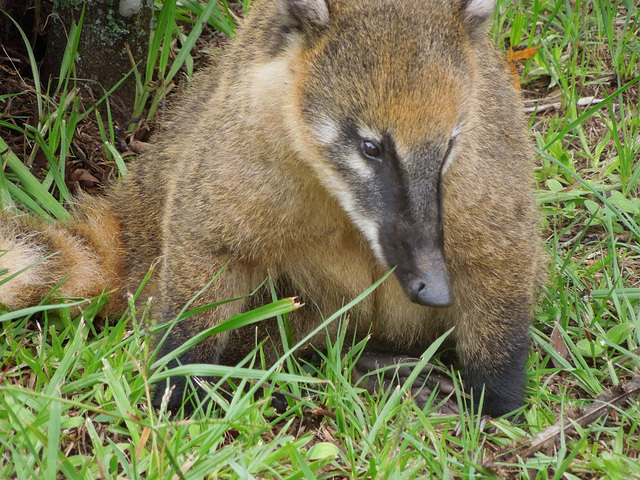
{"x": 335, "y": 140}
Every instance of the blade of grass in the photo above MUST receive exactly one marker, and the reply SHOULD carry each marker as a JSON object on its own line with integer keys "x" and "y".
{"x": 32, "y": 63}
{"x": 31, "y": 183}
{"x": 68, "y": 58}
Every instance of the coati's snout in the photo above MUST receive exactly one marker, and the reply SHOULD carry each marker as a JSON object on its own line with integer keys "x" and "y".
{"x": 429, "y": 283}
{"x": 413, "y": 243}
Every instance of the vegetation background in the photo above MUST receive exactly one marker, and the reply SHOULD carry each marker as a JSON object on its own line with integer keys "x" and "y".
{"x": 74, "y": 393}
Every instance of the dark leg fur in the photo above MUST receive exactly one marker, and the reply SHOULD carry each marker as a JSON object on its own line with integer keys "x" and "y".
{"x": 503, "y": 384}
{"x": 178, "y": 384}
{"x": 185, "y": 391}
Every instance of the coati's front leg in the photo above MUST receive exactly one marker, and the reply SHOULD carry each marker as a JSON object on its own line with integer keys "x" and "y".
{"x": 491, "y": 318}
{"x": 182, "y": 282}
{"x": 492, "y": 346}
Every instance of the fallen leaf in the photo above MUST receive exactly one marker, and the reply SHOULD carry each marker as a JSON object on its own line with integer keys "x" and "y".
{"x": 525, "y": 54}
{"x": 558, "y": 345}
{"x": 516, "y": 55}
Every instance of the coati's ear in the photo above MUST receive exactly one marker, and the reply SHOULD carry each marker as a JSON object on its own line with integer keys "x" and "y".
{"x": 304, "y": 15}
{"x": 477, "y": 14}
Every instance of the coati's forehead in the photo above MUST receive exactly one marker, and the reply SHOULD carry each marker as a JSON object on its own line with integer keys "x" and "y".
{"x": 398, "y": 67}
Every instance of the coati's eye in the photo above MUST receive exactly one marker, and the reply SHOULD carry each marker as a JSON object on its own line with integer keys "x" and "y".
{"x": 370, "y": 149}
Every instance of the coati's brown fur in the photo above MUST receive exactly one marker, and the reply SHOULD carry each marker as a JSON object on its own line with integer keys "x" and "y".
{"x": 336, "y": 139}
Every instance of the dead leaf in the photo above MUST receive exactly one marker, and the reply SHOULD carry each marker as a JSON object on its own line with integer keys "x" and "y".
{"x": 525, "y": 54}
{"x": 83, "y": 176}
{"x": 514, "y": 56}
{"x": 558, "y": 345}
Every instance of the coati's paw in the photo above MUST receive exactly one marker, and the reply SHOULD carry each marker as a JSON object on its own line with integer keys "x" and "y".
{"x": 376, "y": 370}
{"x": 169, "y": 393}
{"x": 187, "y": 393}
{"x": 501, "y": 391}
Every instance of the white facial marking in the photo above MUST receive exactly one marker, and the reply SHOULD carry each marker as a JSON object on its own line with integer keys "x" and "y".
{"x": 361, "y": 166}
{"x": 327, "y": 131}
{"x": 447, "y": 162}
{"x": 480, "y": 8}
{"x": 369, "y": 228}
{"x": 457, "y": 129}
{"x": 368, "y": 134}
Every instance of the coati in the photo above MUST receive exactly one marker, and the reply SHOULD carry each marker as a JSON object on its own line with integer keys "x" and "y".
{"x": 335, "y": 140}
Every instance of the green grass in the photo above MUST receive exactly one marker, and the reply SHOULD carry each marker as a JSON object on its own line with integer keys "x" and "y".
{"x": 75, "y": 394}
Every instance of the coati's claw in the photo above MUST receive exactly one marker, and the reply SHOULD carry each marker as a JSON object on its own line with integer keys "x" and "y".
{"x": 376, "y": 370}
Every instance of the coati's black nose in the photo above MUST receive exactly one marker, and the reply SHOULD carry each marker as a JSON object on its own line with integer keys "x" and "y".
{"x": 432, "y": 290}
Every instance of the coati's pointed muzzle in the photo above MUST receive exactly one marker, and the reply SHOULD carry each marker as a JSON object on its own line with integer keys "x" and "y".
{"x": 433, "y": 287}
{"x": 413, "y": 242}
{"x": 422, "y": 271}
